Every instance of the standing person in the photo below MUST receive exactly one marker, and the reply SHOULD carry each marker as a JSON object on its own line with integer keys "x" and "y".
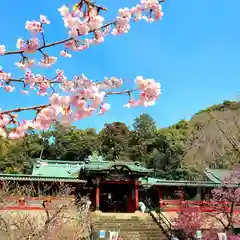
{"x": 88, "y": 202}
{"x": 142, "y": 207}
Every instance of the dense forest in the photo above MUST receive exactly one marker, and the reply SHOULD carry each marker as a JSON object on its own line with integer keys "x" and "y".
{"x": 181, "y": 151}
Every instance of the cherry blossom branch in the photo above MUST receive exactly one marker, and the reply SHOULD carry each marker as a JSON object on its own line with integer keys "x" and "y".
{"x": 70, "y": 38}
{"x": 21, "y": 109}
{"x": 39, "y": 107}
{"x": 85, "y": 97}
{"x": 57, "y": 42}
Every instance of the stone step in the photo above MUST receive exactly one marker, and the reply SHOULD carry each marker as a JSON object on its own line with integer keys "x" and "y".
{"x": 129, "y": 232}
{"x": 142, "y": 237}
{"x": 132, "y": 226}
{"x": 141, "y": 224}
{"x": 121, "y": 220}
{"x": 126, "y": 227}
{"x": 130, "y": 235}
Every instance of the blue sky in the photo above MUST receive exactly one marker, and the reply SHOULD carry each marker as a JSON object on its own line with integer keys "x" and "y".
{"x": 194, "y": 52}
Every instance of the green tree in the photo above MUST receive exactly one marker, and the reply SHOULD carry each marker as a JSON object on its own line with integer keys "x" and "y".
{"x": 144, "y": 126}
{"x": 113, "y": 140}
{"x": 17, "y": 155}
{"x": 69, "y": 143}
{"x": 142, "y": 138}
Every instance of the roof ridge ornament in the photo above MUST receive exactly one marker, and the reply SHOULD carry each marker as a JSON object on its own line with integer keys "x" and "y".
{"x": 137, "y": 163}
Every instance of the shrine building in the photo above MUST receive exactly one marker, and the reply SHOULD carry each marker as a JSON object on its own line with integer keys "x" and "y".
{"x": 112, "y": 186}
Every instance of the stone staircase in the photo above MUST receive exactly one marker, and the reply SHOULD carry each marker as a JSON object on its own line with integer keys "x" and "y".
{"x": 131, "y": 226}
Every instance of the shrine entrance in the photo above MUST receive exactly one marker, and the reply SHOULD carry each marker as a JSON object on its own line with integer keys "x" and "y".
{"x": 115, "y": 184}
{"x": 117, "y": 197}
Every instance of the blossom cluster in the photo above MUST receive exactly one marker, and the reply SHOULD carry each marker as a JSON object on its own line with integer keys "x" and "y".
{"x": 86, "y": 98}
{"x": 80, "y": 23}
{"x": 81, "y": 96}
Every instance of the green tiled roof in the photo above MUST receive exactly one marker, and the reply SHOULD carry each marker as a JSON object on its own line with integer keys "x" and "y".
{"x": 57, "y": 169}
{"x": 107, "y": 165}
{"x": 71, "y": 169}
{"x": 217, "y": 175}
{"x": 164, "y": 182}
{"x": 24, "y": 177}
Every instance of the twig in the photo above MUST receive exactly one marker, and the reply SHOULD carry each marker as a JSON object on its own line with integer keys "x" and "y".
{"x": 217, "y": 218}
{"x": 121, "y": 92}
{"x": 43, "y": 39}
{"x": 37, "y": 82}
{"x": 39, "y": 107}
{"x": 94, "y": 5}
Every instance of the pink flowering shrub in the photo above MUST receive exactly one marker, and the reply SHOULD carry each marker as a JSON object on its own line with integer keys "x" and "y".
{"x": 189, "y": 222}
{"x": 225, "y": 201}
{"x": 80, "y": 97}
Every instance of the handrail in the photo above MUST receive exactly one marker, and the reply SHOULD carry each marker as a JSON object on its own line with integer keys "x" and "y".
{"x": 161, "y": 219}
{"x": 165, "y": 219}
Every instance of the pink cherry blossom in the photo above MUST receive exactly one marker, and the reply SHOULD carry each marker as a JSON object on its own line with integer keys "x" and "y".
{"x": 65, "y": 54}
{"x": 78, "y": 102}
{"x": 95, "y": 22}
{"x": 20, "y": 43}
{"x": 97, "y": 99}
{"x": 83, "y": 113}
{"x": 132, "y": 103}
{"x": 44, "y": 19}
{"x": 66, "y": 119}
{"x": 34, "y": 27}
{"x": 24, "y": 92}
{"x": 4, "y": 120}
{"x": 104, "y": 108}
{"x": 45, "y": 117}
{"x": 122, "y": 22}
{"x": 4, "y": 76}
{"x": 26, "y": 64}
{"x": 149, "y": 4}
{"x": 55, "y": 100}
{"x": 29, "y": 47}
{"x": 47, "y": 61}
{"x": 29, "y": 77}
{"x": 9, "y": 88}
{"x": 43, "y": 87}
{"x": 60, "y": 75}
{"x": 150, "y": 92}
{"x": 2, "y": 49}
{"x": 136, "y": 12}
{"x": 64, "y": 11}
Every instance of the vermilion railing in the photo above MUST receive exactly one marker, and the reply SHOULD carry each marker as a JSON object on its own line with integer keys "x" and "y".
{"x": 14, "y": 198}
{"x": 194, "y": 205}
{"x": 27, "y": 203}
{"x": 23, "y": 203}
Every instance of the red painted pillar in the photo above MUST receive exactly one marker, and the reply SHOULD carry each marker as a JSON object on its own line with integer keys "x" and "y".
{"x": 136, "y": 194}
{"x": 97, "y": 196}
{"x": 160, "y": 199}
{"x": 182, "y": 195}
